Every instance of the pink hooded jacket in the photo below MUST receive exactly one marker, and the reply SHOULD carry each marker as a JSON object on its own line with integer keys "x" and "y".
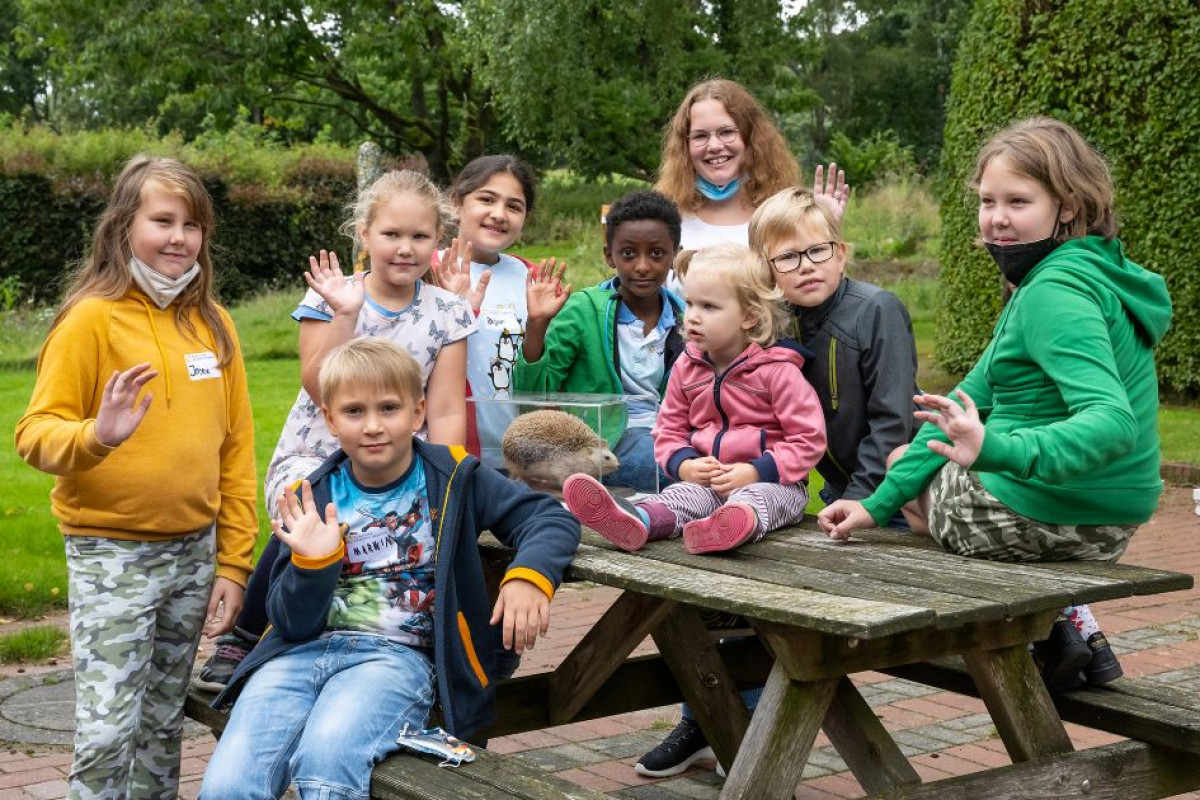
{"x": 760, "y": 411}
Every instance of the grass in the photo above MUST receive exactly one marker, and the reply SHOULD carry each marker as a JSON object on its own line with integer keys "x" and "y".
{"x": 37, "y": 643}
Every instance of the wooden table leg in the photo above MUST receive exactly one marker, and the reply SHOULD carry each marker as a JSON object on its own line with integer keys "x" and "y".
{"x": 704, "y": 680}
{"x": 604, "y": 648}
{"x": 781, "y": 734}
{"x": 1017, "y": 699}
{"x": 864, "y": 744}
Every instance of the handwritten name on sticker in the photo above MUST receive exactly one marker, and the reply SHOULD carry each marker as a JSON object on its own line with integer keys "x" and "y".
{"x": 202, "y": 366}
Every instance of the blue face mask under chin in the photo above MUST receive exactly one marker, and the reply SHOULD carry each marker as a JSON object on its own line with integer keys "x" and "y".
{"x": 714, "y": 192}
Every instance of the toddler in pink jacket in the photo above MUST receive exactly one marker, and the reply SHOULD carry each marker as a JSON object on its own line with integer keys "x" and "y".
{"x": 739, "y": 427}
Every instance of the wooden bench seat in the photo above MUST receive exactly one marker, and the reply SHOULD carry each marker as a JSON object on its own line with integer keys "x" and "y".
{"x": 404, "y": 775}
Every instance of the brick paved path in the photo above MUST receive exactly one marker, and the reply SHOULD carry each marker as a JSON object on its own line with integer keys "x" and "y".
{"x": 945, "y": 734}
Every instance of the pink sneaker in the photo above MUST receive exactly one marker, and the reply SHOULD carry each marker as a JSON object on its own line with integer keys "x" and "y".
{"x": 591, "y": 503}
{"x": 729, "y": 526}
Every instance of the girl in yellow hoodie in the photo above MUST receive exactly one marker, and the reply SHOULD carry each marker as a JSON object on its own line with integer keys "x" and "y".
{"x": 154, "y": 495}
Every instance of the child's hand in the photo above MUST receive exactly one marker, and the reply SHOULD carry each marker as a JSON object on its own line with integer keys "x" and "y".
{"x": 524, "y": 611}
{"x": 119, "y": 413}
{"x": 842, "y": 517}
{"x": 454, "y": 274}
{"x": 733, "y": 477}
{"x": 831, "y": 190}
{"x": 960, "y": 423}
{"x": 345, "y": 295}
{"x": 224, "y": 605}
{"x": 545, "y": 293}
{"x": 300, "y": 526}
{"x": 700, "y": 471}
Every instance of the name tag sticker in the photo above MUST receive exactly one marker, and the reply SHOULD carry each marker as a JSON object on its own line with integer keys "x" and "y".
{"x": 202, "y": 366}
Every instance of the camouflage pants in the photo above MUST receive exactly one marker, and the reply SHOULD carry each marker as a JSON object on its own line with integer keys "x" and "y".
{"x": 136, "y": 613}
{"x": 965, "y": 518}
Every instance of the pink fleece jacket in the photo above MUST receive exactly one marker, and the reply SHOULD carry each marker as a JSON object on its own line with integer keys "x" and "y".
{"x": 760, "y": 411}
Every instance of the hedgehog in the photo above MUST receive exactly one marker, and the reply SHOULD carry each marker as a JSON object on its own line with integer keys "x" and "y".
{"x": 543, "y": 448}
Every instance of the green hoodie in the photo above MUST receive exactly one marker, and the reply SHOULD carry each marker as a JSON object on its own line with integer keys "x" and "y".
{"x": 1068, "y": 393}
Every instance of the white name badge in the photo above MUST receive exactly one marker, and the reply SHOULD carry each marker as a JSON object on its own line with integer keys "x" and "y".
{"x": 202, "y": 366}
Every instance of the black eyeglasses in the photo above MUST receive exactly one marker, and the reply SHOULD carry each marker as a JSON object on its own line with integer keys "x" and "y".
{"x": 724, "y": 135}
{"x": 819, "y": 253}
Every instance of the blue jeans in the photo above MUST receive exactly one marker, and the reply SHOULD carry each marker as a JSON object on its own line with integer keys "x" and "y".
{"x": 635, "y": 451}
{"x": 321, "y": 716}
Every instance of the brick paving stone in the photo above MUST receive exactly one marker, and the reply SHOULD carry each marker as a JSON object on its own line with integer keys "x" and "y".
{"x": 565, "y": 756}
{"x": 841, "y": 785}
{"x": 949, "y": 763}
{"x": 695, "y": 789}
{"x": 50, "y": 790}
{"x": 920, "y": 742}
{"x": 37, "y": 762}
{"x": 590, "y": 780}
{"x": 617, "y": 771}
{"x": 627, "y": 745}
{"x": 977, "y": 754}
{"x": 929, "y": 708}
{"x": 661, "y": 791}
{"x": 827, "y": 759}
{"x": 947, "y": 735}
{"x": 909, "y": 688}
{"x": 895, "y": 717}
{"x": 970, "y": 722}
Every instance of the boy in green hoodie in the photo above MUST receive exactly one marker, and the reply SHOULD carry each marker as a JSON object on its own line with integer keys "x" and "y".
{"x": 1051, "y": 451}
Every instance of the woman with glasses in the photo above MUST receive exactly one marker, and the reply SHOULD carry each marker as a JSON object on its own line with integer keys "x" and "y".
{"x": 721, "y": 157}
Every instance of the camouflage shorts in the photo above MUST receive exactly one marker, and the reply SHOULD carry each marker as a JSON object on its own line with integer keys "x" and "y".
{"x": 965, "y": 518}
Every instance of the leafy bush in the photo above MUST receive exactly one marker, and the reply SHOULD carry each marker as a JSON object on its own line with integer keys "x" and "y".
{"x": 1124, "y": 74}
{"x": 872, "y": 159}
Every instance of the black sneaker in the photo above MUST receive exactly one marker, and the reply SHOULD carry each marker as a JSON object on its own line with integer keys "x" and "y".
{"x": 1062, "y": 657}
{"x": 1104, "y": 666}
{"x": 683, "y": 747}
{"x": 231, "y": 649}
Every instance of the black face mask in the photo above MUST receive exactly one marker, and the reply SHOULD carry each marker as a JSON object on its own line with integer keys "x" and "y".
{"x": 1016, "y": 260}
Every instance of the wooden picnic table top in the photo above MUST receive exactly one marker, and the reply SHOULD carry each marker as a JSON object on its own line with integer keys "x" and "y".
{"x": 880, "y": 583}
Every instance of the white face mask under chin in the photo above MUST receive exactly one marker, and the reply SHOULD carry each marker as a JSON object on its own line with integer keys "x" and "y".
{"x": 158, "y": 287}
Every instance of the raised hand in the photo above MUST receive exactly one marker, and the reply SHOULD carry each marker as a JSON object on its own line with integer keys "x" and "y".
{"x": 120, "y": 413}
{"x": 700, "y": 471}
{"x": 545, "y": 293}
{"x": 842, "y": 517}
{"x": 733, "y": 477}
{"x": 301, "y": 528}
{"x": 831, "y": 190}
{"x": 345, "y": 295}
{"x": 960, "y": 423}
{"x": 454, "y": 274}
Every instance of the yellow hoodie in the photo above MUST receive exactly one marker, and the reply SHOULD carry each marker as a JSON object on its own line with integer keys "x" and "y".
{"x": 189, "y": 463}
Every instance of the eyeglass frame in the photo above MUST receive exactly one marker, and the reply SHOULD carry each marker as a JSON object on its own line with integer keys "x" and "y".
{"x": 804, "y": 254}
{"x": 731, "y": 130}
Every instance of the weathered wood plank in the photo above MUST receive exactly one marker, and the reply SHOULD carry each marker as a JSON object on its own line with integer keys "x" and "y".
{"x": 864, "y": 744}
{"x": 827, "y": 613}
{"x": 814, "y": 655}
{"x": 603, "y": 648}
{"x": 951, "y": 609}
{"x": 1120, "y": 771}
{"x": 490, "y": 776}
{"x": 1018, "y": 701}
{"x": 779, "y": 739}
{"x": 704, "y": 680}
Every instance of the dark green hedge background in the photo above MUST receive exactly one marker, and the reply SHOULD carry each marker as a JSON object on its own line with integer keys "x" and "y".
{"x": 262, "y": 239}
{"x": 1127, "y": 75}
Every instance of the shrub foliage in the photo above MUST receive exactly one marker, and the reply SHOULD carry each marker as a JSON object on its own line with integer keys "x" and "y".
{"x": 273, "y": 205}
{"x": 1125, "y": 74}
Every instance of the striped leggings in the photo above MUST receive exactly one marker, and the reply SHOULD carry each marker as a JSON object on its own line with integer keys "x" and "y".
{"x": 776, "y": 505}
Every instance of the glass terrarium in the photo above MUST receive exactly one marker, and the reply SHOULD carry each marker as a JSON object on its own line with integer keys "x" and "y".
{"x": 542, "y": 438}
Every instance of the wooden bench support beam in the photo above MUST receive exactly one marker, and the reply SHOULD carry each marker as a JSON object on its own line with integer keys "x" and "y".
{"x": 1017, "y": 699}
{"x": 704, "y": 680}
{"x": 405, "y": 776}
{"x": 864, "y": 744}
{"x": 1121, "y": 771}
{"x": 601, "y": 651}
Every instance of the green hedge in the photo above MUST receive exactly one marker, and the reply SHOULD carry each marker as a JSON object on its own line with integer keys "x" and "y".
{"x": 273, "y": 206}
{"x": 1125, "y": 74}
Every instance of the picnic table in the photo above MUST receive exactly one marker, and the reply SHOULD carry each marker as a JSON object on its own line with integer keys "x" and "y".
{"x": 819, "y": 611}
{"x": 824, "y": 610}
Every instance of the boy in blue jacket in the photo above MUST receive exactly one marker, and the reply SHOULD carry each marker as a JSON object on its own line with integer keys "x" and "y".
{"x": 377, "y": 601}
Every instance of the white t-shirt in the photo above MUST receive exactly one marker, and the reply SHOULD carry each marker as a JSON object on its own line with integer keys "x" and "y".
{"x": 698, "y": 234}
{"x": 434, "y": 319}
{"x": 492, "y": 350}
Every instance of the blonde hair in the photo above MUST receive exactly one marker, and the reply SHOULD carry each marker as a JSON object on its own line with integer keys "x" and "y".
{"x": 782, "y": 213}
{"x": 770, "y": 166}
{"x": 104, "y": 271}
{"x": 391, "y": 184}
{"x": 1056, "y": 156}
{"x": 373, "y": 363}
{"x": 749, "y": 275}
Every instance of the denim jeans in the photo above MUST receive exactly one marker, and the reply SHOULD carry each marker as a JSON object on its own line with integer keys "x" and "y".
{"x": 635, "y": 451}
{"x": 320, "y": 716}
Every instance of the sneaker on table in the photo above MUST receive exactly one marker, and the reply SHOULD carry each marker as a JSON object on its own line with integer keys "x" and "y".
{"x": 613, "y": 518}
